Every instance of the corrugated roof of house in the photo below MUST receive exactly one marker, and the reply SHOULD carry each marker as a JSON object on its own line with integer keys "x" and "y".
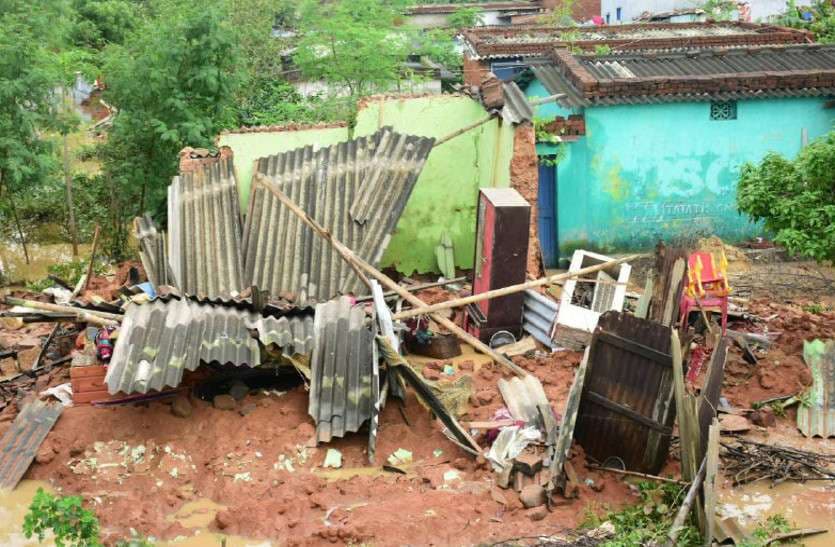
{"x": 537, "y": 41}
{"x": 716, "y": 74}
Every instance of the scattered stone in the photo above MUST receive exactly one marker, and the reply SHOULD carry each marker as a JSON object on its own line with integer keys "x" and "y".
{"x": 239, "y": 390}
{"x": 449, "y": 370}
{"x": 181, "y": 407}
{"x": 437, "y": 452}
{"x": 452, "y": 475}
{"x": 305, "y": 430}
{"x": 466, "y": 365}
{"x": 435, "y": 365}
{"x": 460, "y": 463}
{"x": 486, "y": 373}
{"x": 431, "y": 373}
{"x": 223, "y": 519}
{"x": 401, "y": 456}
{"x": 763, "y": 417}
{"x": 733, "y": 423}
{"x": 333, "y": 458}
{"x": 485, "y": 396}
{"x": 538, "y": 513}
{"x": 248, "y": 408}
{"x": 224, "y": 402}
{"x": 45, "y": 455}
{"x": 532, "y": 495}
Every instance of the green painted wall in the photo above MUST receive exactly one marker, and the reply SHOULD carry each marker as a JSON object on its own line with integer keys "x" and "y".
{"x": 445, "y": 196}
{"x": 645, "y": 172}
{"x": 248, "y": 147}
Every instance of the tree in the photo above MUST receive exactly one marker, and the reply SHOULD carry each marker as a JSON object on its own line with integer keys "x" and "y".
{"x": 795, "y": 198}
{"x": 820, "y": 19}
{"x": 98, "y": 23}
{"x": 466, "y": 17}
{"x": 173, "y": 82}
{"x": 719, "y": 10}
{"x": 353, "y": 45}
{"x": 27, "y": 79}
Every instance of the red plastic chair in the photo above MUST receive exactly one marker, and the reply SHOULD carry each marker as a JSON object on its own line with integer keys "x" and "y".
{"x": 707, "y": 286}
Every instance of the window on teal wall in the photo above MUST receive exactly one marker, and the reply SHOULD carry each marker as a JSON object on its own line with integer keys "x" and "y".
{"x": 723, "y": 110}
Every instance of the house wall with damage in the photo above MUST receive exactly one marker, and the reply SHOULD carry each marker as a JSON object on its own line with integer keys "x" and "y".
{"x": 650, "y": 171}
{"x": 445, "y": 197}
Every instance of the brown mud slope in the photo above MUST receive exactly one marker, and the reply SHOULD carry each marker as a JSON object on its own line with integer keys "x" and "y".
{"x": 781, "y": 370}
{"x": 143, "y": 464}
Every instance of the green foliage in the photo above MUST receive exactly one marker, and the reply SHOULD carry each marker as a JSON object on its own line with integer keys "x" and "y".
{"x": 174, "y": 81}
{"x": 822, "y": 23}
{"x": 650, "y": 520}
{"x": 465, "y": 17}
{"x": 271, "y": 100}
{"x": 70, "y": 272}
{"x": 352, "y": 44}
{"x": 602, "y": 49}
{"x": 795, "y": 198}
{"x": 773, "y": 525}
{"x": 720, "y": 10}
{"x": 560, "y": 16}
{"x": 102, "y": 22}
{"x": 69, "y": 521}
{"x": 817, "y": 308}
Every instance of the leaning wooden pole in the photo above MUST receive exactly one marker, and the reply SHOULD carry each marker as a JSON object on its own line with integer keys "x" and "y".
{"x": 504, "y": 291}
{"x": 94, "y": 317}
{"x": 684, "y": 510}
{"x": 356, "y": 262}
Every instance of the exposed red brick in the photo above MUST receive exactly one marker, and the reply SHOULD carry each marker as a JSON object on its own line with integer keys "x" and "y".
{"x": 192, "y": 158}
{"x": 524, "y": 178}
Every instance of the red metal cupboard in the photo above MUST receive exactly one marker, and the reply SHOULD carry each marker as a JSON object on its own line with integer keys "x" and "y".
{"x": 500, "y": 261}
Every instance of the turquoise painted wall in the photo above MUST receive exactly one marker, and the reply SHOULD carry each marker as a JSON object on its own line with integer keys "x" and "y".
{"x": 446, "y": 194}
{"x": 645, "y": 172}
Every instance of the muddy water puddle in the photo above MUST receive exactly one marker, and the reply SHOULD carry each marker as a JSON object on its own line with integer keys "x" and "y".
{"x": 13, "y": 507}
{"x": 198, "y": 515}
{"x": 809, "y": 505}
{"x": 41, "y": 257}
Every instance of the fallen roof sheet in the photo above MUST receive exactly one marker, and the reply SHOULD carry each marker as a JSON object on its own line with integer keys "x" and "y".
{"x": 21, "y": 441}
{"x": 204, "y": 232}
{"x": 160, "y": 340}
{"x": 818, "y": 419}
{"x": 152, "y": 250}
{"x": 516, "y": 107}
{"x": 356, "y": 189}
{"x": 343, "y": 390}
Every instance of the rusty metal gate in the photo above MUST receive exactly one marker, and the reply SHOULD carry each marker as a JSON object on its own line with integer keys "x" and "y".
{"x": 627, "y": 409}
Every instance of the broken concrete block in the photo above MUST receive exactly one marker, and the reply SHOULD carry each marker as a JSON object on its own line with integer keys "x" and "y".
{"x": 401, "y": 456}
{"x": 538, "y": 513}
{"x": 528, "y": 463}
{"x": 533, "y": 495}
{"x": 239, "y": 390}
{"x": 333, "y": 458}
{"x": 763, "y": 417}
{"x": 181, "y": 407}
{"x": 224, "y": 402}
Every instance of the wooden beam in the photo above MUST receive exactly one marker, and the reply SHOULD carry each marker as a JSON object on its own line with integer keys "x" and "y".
{"x": 512, "y": 289}
{"x": 359, "y": 264}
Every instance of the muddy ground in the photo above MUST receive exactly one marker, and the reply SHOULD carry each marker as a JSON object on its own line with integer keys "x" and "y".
{"x": 137, "y": 466}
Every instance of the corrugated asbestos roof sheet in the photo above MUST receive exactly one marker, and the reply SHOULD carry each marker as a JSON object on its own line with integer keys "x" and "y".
{"x": 516, "y": 107}
{"x": 356, "y": 189}
{"x": 342, "y": 388}
{"x": 21, "y": 441}
{"x": 160, "y": 340}
{"x": 711, "y": 62}
{"x": 152, "y": 250}
{"x": 664, "y": 78}
{"x": 204, "y": 237}
{"x": 818, "y": 419}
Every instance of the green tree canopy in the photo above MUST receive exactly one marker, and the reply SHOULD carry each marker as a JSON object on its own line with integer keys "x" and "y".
{"x": 795, "y": 198}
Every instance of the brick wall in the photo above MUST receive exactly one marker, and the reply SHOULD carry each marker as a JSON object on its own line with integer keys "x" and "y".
{"x": 474, "y": 70}
{"x": 192, "y": 158}
{"x": 524, "y": 178}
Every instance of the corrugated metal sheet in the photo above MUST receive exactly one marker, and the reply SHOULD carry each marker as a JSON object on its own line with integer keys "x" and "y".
{"x": 355, "y": 189}
{"x": 627, "y": 409}
{"x": 538, "y": 317}
{"x": 523, "y": 396}
{"x": 152, "y": 250}
{"x": 204, "y": 237}
{"x": 160, "y": 340}
{"x": 342, "y": 387}
{"x": 516, "y": 107}
{"x": 818, "y": 419}
{"x": 21, "y": 441}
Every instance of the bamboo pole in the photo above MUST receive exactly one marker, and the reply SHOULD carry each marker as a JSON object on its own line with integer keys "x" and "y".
{"x": 636, "y": 474}
{"x": 684, "y": 510}
{"x": 463, "y": 130}
{"x": 495, "y": 293}
{"x": 100, "y": 318}
{"x": 92, "y": 257}
{"x": 356, "y": 262}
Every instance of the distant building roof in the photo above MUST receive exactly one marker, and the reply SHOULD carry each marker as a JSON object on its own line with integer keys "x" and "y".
{"x": 538, "y": 41}
{"x": 423, "y": 9}
{"x": 709, "y": 74}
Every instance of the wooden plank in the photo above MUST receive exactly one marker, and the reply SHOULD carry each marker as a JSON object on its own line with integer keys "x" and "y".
{"x": 22, "y": 440}
{"x": 642, "y": 308}
{"x": 627, "y": 412}
{"x": 687, "y": 467}
{"x": 711, "y": 470}
{"x": 84, "y": 372}
{"x": 89, "y": 383}
{"x": 569, "y": 419}
{"x": 635, "y": 347}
